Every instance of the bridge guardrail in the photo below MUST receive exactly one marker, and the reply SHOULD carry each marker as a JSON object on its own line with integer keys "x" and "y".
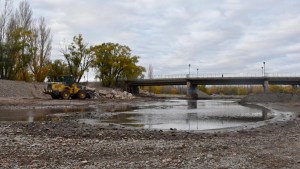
{"x": 216, "y": 75}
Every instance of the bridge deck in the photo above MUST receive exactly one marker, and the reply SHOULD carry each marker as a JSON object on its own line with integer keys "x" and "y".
{"x": 216, "y": 81}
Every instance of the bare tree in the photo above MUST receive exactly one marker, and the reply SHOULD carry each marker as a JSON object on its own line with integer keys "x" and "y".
{"x": 24, "y": 15}
{"x": 4, "y": 16}
{"x": 150, "y": 76}
{"x": 150, "y": 72}
{"x": 40, "y": 50}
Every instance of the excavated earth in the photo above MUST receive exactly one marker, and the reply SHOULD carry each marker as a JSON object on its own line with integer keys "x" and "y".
{"x": 63, "y": 141}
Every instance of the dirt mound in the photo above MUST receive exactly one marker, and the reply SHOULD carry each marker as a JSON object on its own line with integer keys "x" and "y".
{"x": 22, "y": 89}
{"x": 271, "y": 97}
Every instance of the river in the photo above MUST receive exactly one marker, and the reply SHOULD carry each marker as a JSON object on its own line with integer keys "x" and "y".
{"x": 191, "y": 115}
{"x": 169, "y": 114}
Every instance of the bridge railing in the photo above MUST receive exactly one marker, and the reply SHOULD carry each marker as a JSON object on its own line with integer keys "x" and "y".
{"x": 283, "y": 75}
{"x": 216, "y": 75}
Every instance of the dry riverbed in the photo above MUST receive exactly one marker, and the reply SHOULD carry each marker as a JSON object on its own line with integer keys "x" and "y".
{"x": 64, "y": 142}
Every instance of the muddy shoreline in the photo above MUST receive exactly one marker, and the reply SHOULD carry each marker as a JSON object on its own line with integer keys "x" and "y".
{"x": 65, "y": 142}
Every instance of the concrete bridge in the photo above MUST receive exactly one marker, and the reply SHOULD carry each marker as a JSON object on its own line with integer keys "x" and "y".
{"x": 192, "y": 82}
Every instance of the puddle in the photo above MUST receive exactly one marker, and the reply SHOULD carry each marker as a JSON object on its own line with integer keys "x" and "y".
{"x": 190, "y": 115}
{"x": 37, "y": 114}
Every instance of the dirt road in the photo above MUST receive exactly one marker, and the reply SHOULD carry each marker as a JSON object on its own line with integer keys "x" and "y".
{"x": 66, "y": 143}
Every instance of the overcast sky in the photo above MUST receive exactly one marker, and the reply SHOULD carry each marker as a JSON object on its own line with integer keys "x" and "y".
{"x": 216, "y": 36}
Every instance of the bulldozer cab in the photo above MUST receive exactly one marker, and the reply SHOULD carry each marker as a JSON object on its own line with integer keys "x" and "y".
{"x": 68, "y": 80}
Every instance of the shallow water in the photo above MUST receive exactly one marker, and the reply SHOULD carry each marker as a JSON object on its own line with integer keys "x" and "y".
{"x": 170, "y": 114}
{"x": 190, "y": 115}
{"x": 37, "y": 114}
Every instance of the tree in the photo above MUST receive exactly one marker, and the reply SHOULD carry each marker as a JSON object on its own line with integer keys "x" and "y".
{"x": 78, "y": 57}
{"x": 23, "y": 18}
{"x": 24, "y": 46}
{"x": 16, "y": 57}
{"x": 15, "y": 46}
{"x": 58, "y": 68}
{"x": 114, "y": 62}
{"x": 20, "y": 53}
{"x": 5, "y": 15}
{"x": 40, "y": 50}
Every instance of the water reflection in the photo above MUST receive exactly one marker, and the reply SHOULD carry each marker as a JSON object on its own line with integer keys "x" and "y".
{"x": 265, "y": 113}
{"x": 192, "y": 104}
{"x": 191, "y": 115}
{"x": 37, "y": 114}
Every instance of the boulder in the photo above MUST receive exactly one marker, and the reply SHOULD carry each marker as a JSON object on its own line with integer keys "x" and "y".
{"x": 115, "y": 94}
{"x": 103, "y": 92}
{"x": 109, "y": 96}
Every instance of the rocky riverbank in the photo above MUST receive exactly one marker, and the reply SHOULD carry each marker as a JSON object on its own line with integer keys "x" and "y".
{"x": 63, "y": 141}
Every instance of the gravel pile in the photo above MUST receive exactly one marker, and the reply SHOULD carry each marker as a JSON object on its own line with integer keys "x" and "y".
{"x": 22, "y": 89}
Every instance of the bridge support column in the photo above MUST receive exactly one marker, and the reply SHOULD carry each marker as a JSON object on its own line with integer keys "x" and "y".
{"x": 266, "y": 86}
{"x": 133, "y": 89}
{"x": 191, "y": 91}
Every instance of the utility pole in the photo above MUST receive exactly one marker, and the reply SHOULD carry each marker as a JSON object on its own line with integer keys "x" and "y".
{"x": 264, "y": 68}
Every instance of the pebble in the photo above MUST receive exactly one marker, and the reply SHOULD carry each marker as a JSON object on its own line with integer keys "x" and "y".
{"x": 84, "y": 162}
{"x": 209, "y": 156}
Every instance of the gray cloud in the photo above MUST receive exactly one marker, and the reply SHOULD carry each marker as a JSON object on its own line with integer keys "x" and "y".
{"x": 215, "y": 36}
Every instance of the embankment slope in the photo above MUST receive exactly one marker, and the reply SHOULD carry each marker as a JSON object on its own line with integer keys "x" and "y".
{"x": 20, "y": 89}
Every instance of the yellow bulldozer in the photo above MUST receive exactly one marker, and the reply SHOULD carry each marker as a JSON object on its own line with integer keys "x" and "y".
{"x": 64, "y": 87}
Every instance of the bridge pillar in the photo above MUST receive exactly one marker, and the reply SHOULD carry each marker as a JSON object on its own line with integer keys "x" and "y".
{"x": 191, "y": 91}
{"x": 133, "y": 89}
{"x": 266, "y": 86}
